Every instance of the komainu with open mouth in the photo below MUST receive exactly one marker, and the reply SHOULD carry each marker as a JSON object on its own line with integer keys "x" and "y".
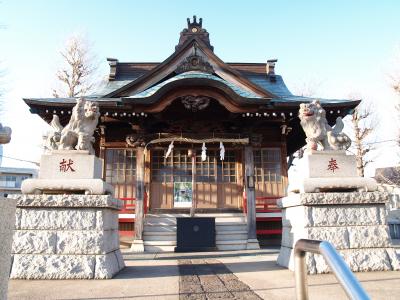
{"x": 318, "y": 132}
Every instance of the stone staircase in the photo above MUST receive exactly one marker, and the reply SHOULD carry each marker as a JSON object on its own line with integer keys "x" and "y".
{"x": 159, "y": 231}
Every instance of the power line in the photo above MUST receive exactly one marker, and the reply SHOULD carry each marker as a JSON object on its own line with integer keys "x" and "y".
{"x": 29, "y": 161}
{"x": 379, "y": 142}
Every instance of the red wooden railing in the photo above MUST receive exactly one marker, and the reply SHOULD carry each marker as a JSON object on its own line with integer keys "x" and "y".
{"x": 129, "y": 207}
{"x": 265, "y": 205}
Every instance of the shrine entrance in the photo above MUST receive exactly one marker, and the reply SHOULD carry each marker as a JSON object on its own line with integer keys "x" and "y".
{"x": 218, "y": 183}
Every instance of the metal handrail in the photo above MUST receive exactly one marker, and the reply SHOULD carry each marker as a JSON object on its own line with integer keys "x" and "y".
{"x": 344, "y": 275}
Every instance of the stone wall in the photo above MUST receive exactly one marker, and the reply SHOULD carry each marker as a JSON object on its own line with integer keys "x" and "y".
{"x": 393, "y": 206}
{"x": 66, "y": 237}
{"x": 7, "y": 219}
{"x": 355, "y": 223}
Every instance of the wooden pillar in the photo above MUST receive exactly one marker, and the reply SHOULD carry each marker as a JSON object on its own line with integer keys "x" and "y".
{"x": 252, "y": 242}
{"x": 102, "y": 153}
{"x": 192, "y": 153}
{"x": 137, "y": 245}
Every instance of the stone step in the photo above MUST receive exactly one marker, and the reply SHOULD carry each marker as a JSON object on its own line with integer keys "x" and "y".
{"x": 230, "y": 220}
{"x": 170, "y": 235}
{"x": 230, "y": 227}
{"x": 155, "y": 233}
{"x": 230, "y": 242}
{"x": 159, "y": 228}
{"x": 229, "y": 232}
{"x": 159, "y": 237}
{"x": 231, "y": 237}
{"x": 159, "y": 232}
{"x": 167, "y": 246}
{"x": 172, "y": 221}
{"x": 231, "y": 247}
{"x": 159, "y": 243}
{"x": 154, "y": 249}
{"x": 160, "y": 221}
{"x": 219, "y": 227}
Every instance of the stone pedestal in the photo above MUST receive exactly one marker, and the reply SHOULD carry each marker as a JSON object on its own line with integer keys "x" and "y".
{"x": 66, "y": 237}
{"x": 355, "y": 223}
{"x": 68, "y": 171}
{"x": 252, "y": 244}
{"x": 7, "y": 220}
{"x": 325, "y": 171}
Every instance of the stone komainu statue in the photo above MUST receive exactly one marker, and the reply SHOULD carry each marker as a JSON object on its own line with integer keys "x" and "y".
{"x": 313, "y": 120}
{"x": 78, "y": 133}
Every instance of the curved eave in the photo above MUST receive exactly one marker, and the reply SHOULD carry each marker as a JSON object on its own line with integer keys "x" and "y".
{"x": 196, "y": 83}
{"x": 68, "y": 102}
{"x": 294, "y": 102}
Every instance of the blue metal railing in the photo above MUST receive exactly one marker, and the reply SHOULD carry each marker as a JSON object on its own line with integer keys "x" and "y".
{"x": 345, "y": 276}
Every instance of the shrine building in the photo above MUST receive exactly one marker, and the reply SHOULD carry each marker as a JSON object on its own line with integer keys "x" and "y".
{"x": 196, "y": 131}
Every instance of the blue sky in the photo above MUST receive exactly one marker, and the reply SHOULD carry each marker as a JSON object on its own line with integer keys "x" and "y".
{"x": 342, "y": 47}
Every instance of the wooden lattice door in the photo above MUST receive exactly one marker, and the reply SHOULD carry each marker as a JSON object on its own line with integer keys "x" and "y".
{"x": 218, "y": 183}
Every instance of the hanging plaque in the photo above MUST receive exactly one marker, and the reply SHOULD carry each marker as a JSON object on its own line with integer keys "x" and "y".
{"x": 183, "y": 194}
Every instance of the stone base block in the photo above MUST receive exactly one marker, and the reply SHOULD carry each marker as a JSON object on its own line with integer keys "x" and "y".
{"x": 354, "y": 223}
{"x": 329, "y": 163}
{"x": 108, "y": 265}
{"x": 7, "y": 221}
{"x": 48, "y": 186}
{"x": 70, "y": 164}
{"x": 38, "y": 266}
{"x": 66, "y": 237}
{"x": 331, "y": 171}
{"x": 345, "y": 237}
{"x": 359, "y": 260}
{"x": 326, "y": 184}
{"x": 313, "y": 199}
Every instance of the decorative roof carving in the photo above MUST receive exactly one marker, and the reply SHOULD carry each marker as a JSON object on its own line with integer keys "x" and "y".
{"x": 194, "y": 63}
{"x": 194, "y": 29}
{"x": 195, "y": 103}
{"x": 135, "y": 140}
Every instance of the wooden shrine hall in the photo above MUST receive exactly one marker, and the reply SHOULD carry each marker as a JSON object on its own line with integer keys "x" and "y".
{"x": 195, "y": 132}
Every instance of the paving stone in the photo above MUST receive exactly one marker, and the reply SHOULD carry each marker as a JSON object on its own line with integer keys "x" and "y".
{"x": 210, "y": 279}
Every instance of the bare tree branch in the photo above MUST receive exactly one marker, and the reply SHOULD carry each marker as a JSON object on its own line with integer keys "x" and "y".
{"x": 363, "y": 122}
{"x": 77, "y": 74}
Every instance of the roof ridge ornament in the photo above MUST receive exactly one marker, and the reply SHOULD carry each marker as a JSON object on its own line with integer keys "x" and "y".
{"x": 194, "y": 29}
{"x": 194, "y": 62}
{"x": 194, "y": 23}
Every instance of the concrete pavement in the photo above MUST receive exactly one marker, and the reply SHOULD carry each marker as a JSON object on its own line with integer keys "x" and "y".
{"x": 156, "y": 276}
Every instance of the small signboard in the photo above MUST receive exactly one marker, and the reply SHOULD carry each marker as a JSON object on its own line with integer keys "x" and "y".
{"x": 183, "y": 194}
